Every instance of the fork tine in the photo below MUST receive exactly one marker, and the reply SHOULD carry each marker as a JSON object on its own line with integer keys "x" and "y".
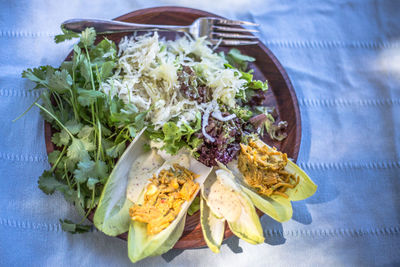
{"x": 234, "y": 35}
{"x": 234, "y": 22}
{"x": 234, "y": 42}
{"x": 232, "y": 29}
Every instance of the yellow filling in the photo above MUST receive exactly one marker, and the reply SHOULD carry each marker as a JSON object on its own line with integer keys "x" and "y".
{"x": 264, "y": 169}
{"x": 164, "y": 197}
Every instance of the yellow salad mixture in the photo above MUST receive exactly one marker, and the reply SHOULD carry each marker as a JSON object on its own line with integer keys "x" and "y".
{"x": 264, "y": 169}
{"x": 164, "y": 197}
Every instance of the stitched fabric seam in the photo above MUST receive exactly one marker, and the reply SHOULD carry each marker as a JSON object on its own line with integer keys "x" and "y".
{"x": 23, "y": 157}
{"x": 49, "y": 227}
{"x": 394, "y": 230}
{"x": 18, "y": 93}
{"x": 332, "y": 44}
{"x": 334, "y": 232}
{"x": 276, "y": 43}
{"x": 25, "y": 34}
{"x": 305, "y": 165}
{"x": 345, "y": 102}
{"x": 349, "y": 165}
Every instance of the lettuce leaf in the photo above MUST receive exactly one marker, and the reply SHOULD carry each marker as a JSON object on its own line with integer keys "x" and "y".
{"x": 176, "y": 137}
{"x": 238, "y": 60}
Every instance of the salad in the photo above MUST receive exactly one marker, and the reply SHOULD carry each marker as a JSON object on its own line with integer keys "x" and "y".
{"x": 141, "y": 129}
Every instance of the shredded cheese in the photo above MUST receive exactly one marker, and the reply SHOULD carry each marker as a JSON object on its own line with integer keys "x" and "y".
{"x": 147, "y": 76}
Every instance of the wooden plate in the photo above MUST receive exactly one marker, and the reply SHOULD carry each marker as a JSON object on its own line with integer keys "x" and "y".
{"x": 266, "y": 67}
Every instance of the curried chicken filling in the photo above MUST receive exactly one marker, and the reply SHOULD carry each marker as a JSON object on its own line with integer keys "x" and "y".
{"x": 264, "y": 169}
{"x": 164, "y": 197}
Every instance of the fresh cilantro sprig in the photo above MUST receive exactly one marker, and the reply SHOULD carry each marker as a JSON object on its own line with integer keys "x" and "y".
{"x": 91, "y": 129}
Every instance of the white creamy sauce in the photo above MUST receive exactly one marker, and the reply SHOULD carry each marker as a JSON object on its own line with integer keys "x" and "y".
{"x": 182, "y": 159}
{"x": 223, "y": 201}
{"x": 141, "y": 171}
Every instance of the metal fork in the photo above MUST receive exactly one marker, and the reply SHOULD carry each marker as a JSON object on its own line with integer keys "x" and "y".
{"x": 222, "y": 31}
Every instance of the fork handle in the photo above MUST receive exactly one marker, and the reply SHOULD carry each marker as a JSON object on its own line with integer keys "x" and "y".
{"x": 109, "y": 26}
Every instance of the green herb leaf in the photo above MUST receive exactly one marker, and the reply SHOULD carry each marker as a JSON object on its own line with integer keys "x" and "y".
{"x": 116, "y": 150}
{"x": 238, "y": 60}
{"x": 85, "y": 69}
{"x": 73, "y": 126}
{"x": 37, "y": 75}
{"x": 66, "y": 35}
{"x": 238, "y": 56}
{"x": 60, "y": 81}
{"x": 242, "y": 113}
{"x": 74, "y": 228}
{"x": 61, "y": 138}
{"x": 91, "y": 183}
{"x": 106, "y": 69}
{"x": 88, "y": 97}
{"x": 140, "y": 120}
{"x": 195, "y": 206}
{"x": 88, "y": 36}
{"x": 84, "y": 170}
{"x": 195, "y": 142}
{"x": 78, "y": 151}
{"x": 172, "y": 138}
{"x": 53, "y": 156}
{"x": 132, "y": 131}
{"x": 104, "y": 51}
{"x": 256, "y": 84}
{"x": 48, "y": 183}
{"x": 86, "y": 133}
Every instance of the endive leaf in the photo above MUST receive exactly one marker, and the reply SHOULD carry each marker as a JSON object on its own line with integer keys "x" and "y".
{"x": 112, "y": 213}
{"x": 221, "y": 199}
{"x": 306, "y": 187}
{"x": 248, "y": 226}
{"x": 213, "y": 228}
{"x": 224, "y": 195}
{"x": 277, "y": 207}
{"x": 141, "y": 244}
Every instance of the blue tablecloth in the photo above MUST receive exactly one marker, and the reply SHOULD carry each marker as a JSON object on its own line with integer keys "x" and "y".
{"x": 343, "y": 58}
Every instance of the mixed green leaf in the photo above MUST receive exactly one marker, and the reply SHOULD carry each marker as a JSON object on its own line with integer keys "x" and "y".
{"x": 175, "y": 137}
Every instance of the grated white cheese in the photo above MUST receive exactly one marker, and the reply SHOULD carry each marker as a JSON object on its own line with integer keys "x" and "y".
{"x": 147, "y": 76}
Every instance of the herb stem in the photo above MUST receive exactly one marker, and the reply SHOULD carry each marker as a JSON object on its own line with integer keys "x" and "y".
{"x": 55, "y": 118}
{"x": 91, "y": 205}
{"x": 99, "y": 147}
{"x": 58, "y": 159}
{"x": 67, "y": 176}
{"x": 26, "y": 111}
